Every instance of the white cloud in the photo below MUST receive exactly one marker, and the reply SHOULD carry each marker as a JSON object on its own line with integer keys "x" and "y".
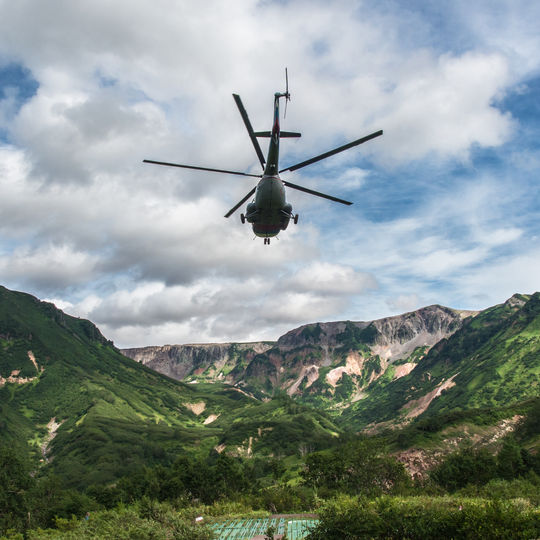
{"x": 445, "y": 105}
{"x": 329, "y": 279}
{"x": 48, "y": 267}
{"x": 404, "y": 303}
{"x": 145, "y": 251}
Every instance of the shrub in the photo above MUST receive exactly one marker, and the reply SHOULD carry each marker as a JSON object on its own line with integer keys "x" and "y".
{"x": 355, "y": 468}
{"x": 422, "y": 517}
{"x": 160, "y": 523}
{"x": 467, "y": 466}
{"x": 15, "y": 483}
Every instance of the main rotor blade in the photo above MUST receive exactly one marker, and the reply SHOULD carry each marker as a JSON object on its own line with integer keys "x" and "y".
{"x": 332, "y": 152}
{"x": 247, "y": 123}
{"x": 199, "y": 168}
{"x": 317, "y": 193}
{"x": 237, "y": 206}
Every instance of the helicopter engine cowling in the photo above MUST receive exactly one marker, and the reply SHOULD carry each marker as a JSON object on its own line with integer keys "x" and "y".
{"x": 286, "y": 214}
{"x": 251, "y": 212}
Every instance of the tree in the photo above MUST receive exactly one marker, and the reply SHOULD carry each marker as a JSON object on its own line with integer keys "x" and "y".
{"x": 15, "y": 481}
{"x": 359, "y": 467}
{"x": 466, "y": 466}
{"x": 49, "y": 500}
{"x": 510, "y": 462}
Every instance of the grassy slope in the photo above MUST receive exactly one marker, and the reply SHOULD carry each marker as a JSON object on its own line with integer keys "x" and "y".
{"x": 495, "y": 359}
{"x": 116, "y": 414}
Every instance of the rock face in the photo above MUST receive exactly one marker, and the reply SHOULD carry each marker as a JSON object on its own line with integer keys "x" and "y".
{"x": 335, "y": 360}
{"x": 209, "y": 362}
{"x": 393, "y": 338}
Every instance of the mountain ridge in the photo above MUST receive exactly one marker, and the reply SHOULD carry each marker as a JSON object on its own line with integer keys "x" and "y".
{"x": 305, "y": 350}
{"x": 385, "y": 372}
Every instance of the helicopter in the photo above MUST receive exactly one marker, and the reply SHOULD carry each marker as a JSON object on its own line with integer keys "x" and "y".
{"x": 269, "y": 213}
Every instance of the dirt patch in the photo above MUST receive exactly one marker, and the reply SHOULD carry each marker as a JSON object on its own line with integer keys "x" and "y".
{"x": 353, "y": 366}
{"x": 312, "y": 374}
{"x": 211, "y": 418}
{"x": 240, "y": 391}
{"x": 417, "y": 406}
{"x": 13, "y": 378}
{"x": 419, "y": 462}
{"x": 196, "y": 408}
{"x": 52, "y": 428}
{"x": 505, "y": 427}
{"x": 493, "y": 436}
{"x": 33, "y": 360}
{"x": 403, "y": 369}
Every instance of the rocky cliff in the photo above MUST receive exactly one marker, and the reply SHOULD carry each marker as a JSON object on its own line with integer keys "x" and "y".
{"x": 335, "y": 360}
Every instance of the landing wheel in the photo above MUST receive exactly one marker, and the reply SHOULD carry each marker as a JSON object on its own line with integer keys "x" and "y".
{"x": 296, "y": 219}
{"x": 267, "y": 241}
{"x": 242, "y": 218}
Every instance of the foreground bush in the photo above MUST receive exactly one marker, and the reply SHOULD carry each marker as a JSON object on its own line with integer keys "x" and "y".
{"x": 422, "y": 517}
{"x": 151, "y": 522}
{"x": 520, "y": 488}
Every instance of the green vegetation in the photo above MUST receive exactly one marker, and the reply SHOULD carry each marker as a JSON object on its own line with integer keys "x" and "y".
{"x": 357, "y": 467}
{"x": 428, "y": 429}
{"x": 144, "y": 455}
{"x": 414, "y": 357}
{"x": 357, "y": 490}
{"x": 347, "y": 518}
{"x": 344, "y": 388}
{"x": 470, "y": 466}
{"x": 354, "y": 338}
{"x": 312, "y": 332}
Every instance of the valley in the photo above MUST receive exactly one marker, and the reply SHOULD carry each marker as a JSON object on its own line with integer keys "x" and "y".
{"x": 267, "y": 426}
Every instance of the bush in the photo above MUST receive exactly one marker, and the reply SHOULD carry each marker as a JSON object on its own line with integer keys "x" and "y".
{"x": 284, "y": 498}
{"x": 467, "y": 466}
{"x": 355, "y": 468}
{"x": 422, "y": 517}
{"x": 519, "y": 488}
{"x": 479, "y": 466}
{"x": 126, "y": 523}
{"x": 15, "y": 483}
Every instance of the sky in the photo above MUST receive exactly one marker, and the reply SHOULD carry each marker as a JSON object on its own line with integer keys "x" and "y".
{"x": 446, "y": 202}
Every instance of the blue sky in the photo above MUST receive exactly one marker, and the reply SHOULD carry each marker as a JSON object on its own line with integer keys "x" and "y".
{"x": 446, "y": 202}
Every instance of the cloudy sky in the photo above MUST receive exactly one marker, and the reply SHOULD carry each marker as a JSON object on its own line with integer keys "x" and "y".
{"x": 446, "y": 203}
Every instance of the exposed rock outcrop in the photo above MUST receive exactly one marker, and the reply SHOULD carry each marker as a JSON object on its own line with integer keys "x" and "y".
{"x": 314, "y": 358}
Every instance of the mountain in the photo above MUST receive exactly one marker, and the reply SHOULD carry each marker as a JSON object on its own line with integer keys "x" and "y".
{"x": 91, "y": 415}
{"x": 70, "y": 398}
{"x": 384, "y": 372}
{"x": 322, "y": 360}
{"x": 492, "y": 361}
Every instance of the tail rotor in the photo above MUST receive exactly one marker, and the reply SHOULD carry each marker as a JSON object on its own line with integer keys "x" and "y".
{"x": 286, "y": 95}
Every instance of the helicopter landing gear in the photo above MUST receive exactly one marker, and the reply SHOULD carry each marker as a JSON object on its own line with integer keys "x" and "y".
{"x": 295, "y": 219}
{"x": 267, "y": 241}
{"x": 242, "y": 218}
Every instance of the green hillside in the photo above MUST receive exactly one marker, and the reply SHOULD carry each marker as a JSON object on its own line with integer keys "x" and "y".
{"x": 492, "y": 361}
{"x": 112, "y": 414}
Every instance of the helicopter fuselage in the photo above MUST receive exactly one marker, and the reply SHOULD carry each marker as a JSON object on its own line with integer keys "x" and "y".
{"x": 269, "y": 213}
